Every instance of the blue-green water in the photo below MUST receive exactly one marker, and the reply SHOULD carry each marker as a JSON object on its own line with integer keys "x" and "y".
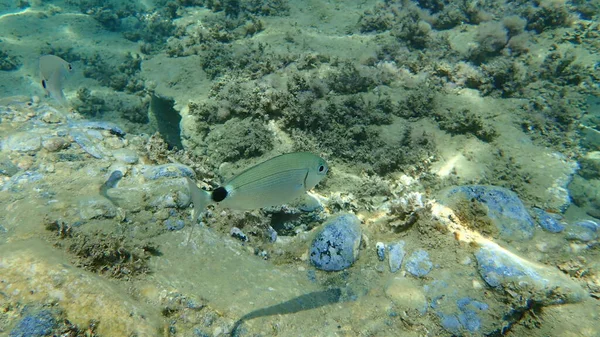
{"x": 462, "y": 141}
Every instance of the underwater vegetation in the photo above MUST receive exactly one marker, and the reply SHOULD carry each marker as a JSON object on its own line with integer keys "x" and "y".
{"x": 462, "y": 142}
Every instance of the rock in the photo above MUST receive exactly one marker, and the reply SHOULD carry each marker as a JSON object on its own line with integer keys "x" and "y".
{"x": 238, "y": 234}
{"x": 586, "y": 194}
{"x": 396, "y": 256}
{"x": 35, "y": 325}
{"x": 418, "y": 264}
{"x": 380, "y": 247}
{"x": 87, "y": 144}
{"x": 307, "y": 203}
{"x": 590, "y": 137}
{"x": 22, "y": 142}
{"x": 80, "y": 295}
{"x": 505, "y": 271}
{"x": 94, "y": 135}
{"x": 92, "y": 207}
{"x": 7, "y": 168}
{"x": 15, "y": 183}
{"x": 172, "y": 193}
{"x": 169, "y": 198}
{"x": 126, "y": 155}
{"x": 52, "y": 117}
{"x": 101, "y": 125}
{"x": 289, "y": 219}
{"x": 54, "y": 144}
{"x": 590, "y": 165}
{"x": 467, "y": 317}
{"x": 272, "y": 234}
{"x": 113, "y": 179}
{"x": 336, "y": 246}
{"x": 174, "y": 224}
{"x": 463, "y": 310}
{"x": 504, "y": 208}
{"x": 153, "y": 172}
{"x": 549, "y": 222}
{"x": 586, "y": 230}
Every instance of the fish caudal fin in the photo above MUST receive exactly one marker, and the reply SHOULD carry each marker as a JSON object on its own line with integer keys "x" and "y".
{"x": 200, "y": 199}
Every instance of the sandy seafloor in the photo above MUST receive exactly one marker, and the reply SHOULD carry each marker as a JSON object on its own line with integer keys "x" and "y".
{"x": 404, "y": 100}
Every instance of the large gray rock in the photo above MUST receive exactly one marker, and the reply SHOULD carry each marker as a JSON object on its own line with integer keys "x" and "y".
{"x": 336, "y": 246}
{"x": 503, "y": 208}
{"x": 505, "y": 271}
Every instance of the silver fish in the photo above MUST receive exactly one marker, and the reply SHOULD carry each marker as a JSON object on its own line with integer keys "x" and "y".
{"x": 53, "y": 72}
{"x": 273, "y": 182}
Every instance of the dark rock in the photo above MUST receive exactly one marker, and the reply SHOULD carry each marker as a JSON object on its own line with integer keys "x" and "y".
{"x": 336, "y": 246}
{"x": 547, "y": 221}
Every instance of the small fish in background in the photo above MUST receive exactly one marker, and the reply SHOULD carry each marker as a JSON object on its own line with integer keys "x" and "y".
{"x": 53, "y": 73}
{"x": 273, "y": 182}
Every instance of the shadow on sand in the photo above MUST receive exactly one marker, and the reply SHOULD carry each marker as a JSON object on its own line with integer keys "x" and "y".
{"x": 308, "y": 301}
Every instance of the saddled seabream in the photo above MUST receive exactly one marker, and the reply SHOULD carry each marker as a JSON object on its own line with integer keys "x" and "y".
{"x": 53, "y": 73}
{"x": 274, "y": 182}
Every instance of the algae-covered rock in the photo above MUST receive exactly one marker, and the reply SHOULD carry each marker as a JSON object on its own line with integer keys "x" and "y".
{"x": 503, "y": 209}
{"x": 505, "y": 271}
{"x": 32, "y": 272}
{"x": 336, "y": 246}
{"x": 34, "y": 325}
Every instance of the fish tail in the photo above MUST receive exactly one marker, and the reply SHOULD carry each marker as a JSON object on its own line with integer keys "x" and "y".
{"x": 200, "y": 199}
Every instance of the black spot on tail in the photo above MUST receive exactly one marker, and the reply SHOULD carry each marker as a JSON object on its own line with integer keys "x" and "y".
{"x": 44, "y": 84}
{"x": 219, "y": 194}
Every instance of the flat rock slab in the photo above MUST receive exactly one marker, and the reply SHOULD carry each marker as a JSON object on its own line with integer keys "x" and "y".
{"x": 505, "y": 271}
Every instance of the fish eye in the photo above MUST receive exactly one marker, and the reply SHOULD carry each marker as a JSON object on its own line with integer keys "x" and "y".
{"x": 321, "y": 168}
{"x": 70, "y": 66}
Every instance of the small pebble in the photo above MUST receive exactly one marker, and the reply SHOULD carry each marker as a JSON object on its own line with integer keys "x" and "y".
{"x": 547, "y": 221}
{"x": 52, "y": 117}
{"x": 396, "y": 255}
{"x": 238, "y": 234}
{"x": 152, "y": 172}
{"x": 272, "y": 234}
{"x": 174, "y": 224}
{"x": 115, "y": 143}
{"x": 380, "y": 246}
{"x": 55, "y": 144}
{"x": 94, "y": 207}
